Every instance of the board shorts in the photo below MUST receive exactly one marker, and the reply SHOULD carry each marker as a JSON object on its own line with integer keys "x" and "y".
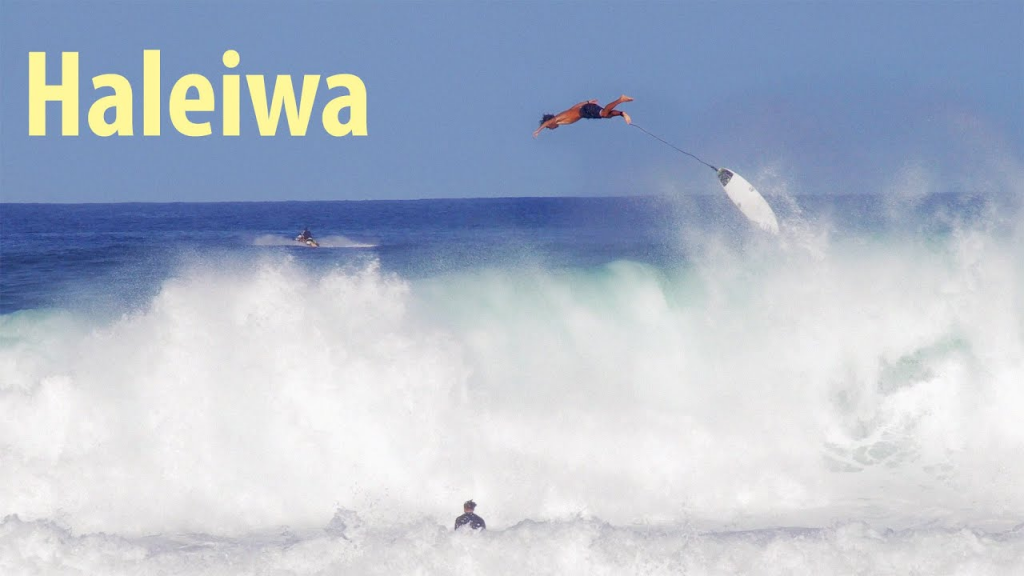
{"x": 590, "y": 110}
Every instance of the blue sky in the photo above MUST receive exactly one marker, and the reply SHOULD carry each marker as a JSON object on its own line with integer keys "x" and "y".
{"x": 838, "y": 96}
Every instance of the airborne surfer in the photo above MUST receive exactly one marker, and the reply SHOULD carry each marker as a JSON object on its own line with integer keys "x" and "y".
{"x": 590, "y": 110}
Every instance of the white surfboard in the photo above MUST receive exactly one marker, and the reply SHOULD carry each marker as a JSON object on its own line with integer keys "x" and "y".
{"x": 748, "y": 200}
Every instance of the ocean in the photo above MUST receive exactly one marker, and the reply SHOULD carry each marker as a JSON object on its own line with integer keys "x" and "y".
{"x": 643, "y": 385}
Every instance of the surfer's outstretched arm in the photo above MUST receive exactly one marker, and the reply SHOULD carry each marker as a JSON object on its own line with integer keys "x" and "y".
{"x": 552, "y": 121}
{"x": 549, "y": 121}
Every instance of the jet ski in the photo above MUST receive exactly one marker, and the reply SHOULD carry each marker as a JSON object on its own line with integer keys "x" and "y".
{"x": 307, "y": 240}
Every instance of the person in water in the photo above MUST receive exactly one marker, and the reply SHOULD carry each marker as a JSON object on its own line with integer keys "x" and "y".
{"x": 469, "y": 517}
{"x": 590, "y": 110}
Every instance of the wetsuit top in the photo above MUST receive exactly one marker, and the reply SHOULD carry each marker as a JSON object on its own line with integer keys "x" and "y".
{"x": 475, "y": 522}
{"x": 590, "y": 110}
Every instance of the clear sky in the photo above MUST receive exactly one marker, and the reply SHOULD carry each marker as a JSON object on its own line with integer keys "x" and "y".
{"x": 836, "y": 95}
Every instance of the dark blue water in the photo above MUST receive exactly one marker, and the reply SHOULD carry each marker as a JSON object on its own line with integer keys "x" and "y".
{"x": 53, "y": 254}
{"x": 73, "y": 255}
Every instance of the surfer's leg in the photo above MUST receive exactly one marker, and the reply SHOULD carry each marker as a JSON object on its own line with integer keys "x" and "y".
{"x": 605, "y": 111}
{"x": 614, "y": 113}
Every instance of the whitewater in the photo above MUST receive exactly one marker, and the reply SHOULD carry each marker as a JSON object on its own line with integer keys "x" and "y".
{"x": 835, "y": 400}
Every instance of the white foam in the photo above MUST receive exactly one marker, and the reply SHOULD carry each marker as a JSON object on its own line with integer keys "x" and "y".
{"x": 346, "y": 546}
{"x": 334, "y": 241}
{"x": 869, "y": 380}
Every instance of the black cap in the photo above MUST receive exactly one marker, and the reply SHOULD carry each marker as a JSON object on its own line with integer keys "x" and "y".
{"x": 469, "y": 504}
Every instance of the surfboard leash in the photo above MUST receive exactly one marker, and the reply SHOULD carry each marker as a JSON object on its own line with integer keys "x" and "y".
{"x": 674, "y": 146}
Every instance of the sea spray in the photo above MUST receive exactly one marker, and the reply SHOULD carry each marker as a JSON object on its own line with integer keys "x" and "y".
{"x": 346, "y": 545}
{"x": 759, "y": 387}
